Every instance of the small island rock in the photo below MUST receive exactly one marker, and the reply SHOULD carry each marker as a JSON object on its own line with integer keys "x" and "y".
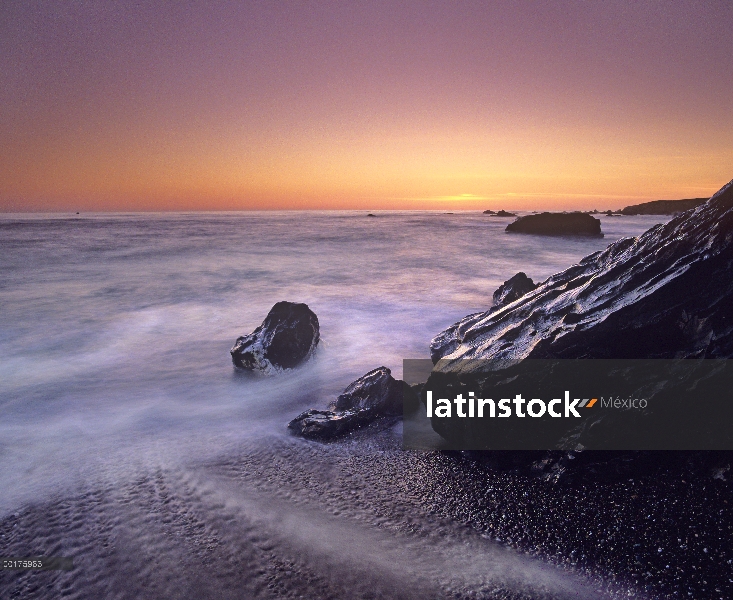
{"x": 547, "y": 223}
{"x": 501, "y": 213}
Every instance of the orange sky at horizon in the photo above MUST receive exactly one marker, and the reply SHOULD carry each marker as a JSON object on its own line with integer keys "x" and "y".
{"x": 323, "y": 106}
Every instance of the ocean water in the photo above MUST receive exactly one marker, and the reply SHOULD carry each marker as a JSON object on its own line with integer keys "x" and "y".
{"x": 129, "y": 442}
{"x": 115, "y": 329}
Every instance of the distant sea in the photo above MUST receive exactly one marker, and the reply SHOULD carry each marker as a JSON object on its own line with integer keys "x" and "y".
{"x": 115, "y": 329}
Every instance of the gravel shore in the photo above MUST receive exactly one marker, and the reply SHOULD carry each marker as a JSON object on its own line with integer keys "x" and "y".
{"x": 363, "y": 518}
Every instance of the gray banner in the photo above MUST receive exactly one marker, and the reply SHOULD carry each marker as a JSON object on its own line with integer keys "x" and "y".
{"x": 570, "y": 404}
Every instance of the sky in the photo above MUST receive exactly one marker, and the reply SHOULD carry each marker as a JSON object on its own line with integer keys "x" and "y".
{"x": 128, "y": 106}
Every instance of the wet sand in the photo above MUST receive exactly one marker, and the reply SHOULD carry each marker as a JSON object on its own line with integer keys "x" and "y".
{"x": 362, "y": 518}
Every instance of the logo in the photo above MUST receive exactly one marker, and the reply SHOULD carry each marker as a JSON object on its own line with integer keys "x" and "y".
{"x": 472, "y": 407}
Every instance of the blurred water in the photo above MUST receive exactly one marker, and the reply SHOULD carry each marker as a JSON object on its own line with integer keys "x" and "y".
{"x": 115, "y": 328}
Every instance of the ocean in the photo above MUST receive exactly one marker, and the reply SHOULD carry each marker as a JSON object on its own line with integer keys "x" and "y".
{"x": 115, "y": 329}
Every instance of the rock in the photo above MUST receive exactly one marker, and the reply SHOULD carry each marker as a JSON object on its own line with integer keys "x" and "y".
{"x": 371, "y": 215}
{"x": 546, "y": 223}
{"x": 665, "y": 294}
{"x": 501, "y": 213}
{"x": 376, "y": 394}
{"x": 288, "y": 336}
{"x": 663, "y": 207}
{"x": 377, "y": 391}
{"x": 326, "y": 424}
{"x": 513, "y": 288}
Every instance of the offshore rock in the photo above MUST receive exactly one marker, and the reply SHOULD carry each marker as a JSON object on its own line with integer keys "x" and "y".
{"x": 663, "y": 207}
{"x": 512, "y": 289}
{"x": 288, "y": 336}
{"x": 376, "y": 394}
{"x": 501, "y": 213}
{"x": 665, "y": 294}
{"x": 546, "y": 223}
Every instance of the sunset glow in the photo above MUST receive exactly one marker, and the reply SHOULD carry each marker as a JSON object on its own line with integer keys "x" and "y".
{"x": 319, "y": 105}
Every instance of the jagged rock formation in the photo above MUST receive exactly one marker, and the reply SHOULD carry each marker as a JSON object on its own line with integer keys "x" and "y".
{"x": 663, "y": 207}
{"x": 512, "y": 289}
{"x": 288, "y": 336}
{"x": 665, "y": 294}
{"x": 373, "y": 395}
{"x": 547, "y": 223}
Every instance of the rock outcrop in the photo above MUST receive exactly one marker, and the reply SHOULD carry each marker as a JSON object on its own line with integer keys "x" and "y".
{"x": 288, "y": 336}
{"x": 665, "y": 294}
{"x": 501, "y": 213}
{"x": 663, "y": 207}
{"x": 547, "y": 223}
{"x": 376, "y": 394}
{"x": 512, "y": 289}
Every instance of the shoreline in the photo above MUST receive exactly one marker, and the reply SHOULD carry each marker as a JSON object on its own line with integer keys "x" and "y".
{"x": 304, "y": 519}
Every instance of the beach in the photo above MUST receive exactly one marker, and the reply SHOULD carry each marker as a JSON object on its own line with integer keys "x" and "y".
{"x": 130, "y": 443}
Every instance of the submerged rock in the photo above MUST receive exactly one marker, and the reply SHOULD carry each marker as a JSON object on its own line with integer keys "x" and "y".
{"x": 288, "y": 336}
{"x": 546, "y": 223}
{"x": 512, "y": 289}
{"x": 376, "y": 394}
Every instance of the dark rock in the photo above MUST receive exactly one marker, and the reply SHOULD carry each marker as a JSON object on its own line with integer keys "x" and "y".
{"x": 663, "y": 207}
{"x": 546, "y": 223}
{"x": 665, "y": 294}
{"x": 326, "y": 424}
{"x": 288, "y": 336}
{"x": 501, "y": 213}
{"x": 376, "y": 391}
{"x": 371, "y": 215}
{"x": 412, "y": 397}
{"x": 513, "y": 288}
{"x": 376, "y": 394}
